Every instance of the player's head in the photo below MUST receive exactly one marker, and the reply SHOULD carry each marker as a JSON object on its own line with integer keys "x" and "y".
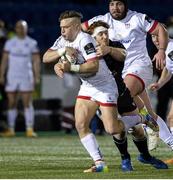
{"x": 118, "y": 8}
{"x": 21, "y": 28}
{"x": 99, "y": 30}
{"x": 155, "y": 40}
{"x": 70, "y": 24}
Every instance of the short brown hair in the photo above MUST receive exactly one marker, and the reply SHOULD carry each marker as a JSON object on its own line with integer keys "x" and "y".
{"x": 70, "y": 14}
{"x": 97, "y": 24}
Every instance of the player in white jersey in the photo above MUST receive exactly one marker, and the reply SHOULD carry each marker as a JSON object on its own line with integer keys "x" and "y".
{"x": 21, "y": 60}
{"x": 130, "y": 28}
{"x": 98, "y": 88}
{"x": 112, "y": 52}
{"x": 165, "y": 77}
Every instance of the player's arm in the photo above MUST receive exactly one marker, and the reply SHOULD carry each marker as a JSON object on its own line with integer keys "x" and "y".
{"x": 116, "y": 53}
{"x": 160, "y": 56}
{"x": 91, "y": 66}
{"x": 53, "y": 55}
{"x": 164, "y": 78}
{"x": 36, "y": 67}
{"x": 3, "y": 67}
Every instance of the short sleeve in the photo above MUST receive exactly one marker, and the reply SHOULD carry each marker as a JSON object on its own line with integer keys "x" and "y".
{"x": 146, "y": 23}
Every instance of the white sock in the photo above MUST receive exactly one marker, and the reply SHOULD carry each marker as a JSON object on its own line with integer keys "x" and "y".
{"x": 91, "y": 145}
{"x": 164, "y": 133}
{"x": 29, "y": 117}
{"x": 131, "y": 121}
{"x": 11, "y": 118}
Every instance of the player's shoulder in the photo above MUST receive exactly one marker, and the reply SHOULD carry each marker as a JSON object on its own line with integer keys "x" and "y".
{"x": 31, "y": 40}
{"x": 135, "y": 14}
{"x": 11, "y": 40}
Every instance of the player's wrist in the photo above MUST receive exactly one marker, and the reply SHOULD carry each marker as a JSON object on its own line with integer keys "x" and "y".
{"x": 61, "y": 51}
{"x": 75, "y": 68}
{"x": 162, "y": 49}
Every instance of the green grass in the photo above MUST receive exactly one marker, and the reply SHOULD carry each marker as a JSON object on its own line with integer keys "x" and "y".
{"x": 58, "y": 156}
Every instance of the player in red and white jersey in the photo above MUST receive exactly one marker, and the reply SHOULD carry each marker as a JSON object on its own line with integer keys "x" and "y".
{"x": 98, "y": 88}
{"x": 21, "y": 59}
{"x": 130, "y": 28}
{"x": 166, "y": 75}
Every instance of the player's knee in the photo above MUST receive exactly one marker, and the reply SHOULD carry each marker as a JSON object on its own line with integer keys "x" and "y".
{"x": 81, "y": 126}
{"x": 138, "y": 132}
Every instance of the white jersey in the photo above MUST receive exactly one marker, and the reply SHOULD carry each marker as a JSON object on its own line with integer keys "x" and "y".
{"x": 131, "y": 32}
{"x": 85, "y": 45}
{"x": 20, "y": 56}
{"x": 169, "y": 56}
{"x": 20, "y": 61}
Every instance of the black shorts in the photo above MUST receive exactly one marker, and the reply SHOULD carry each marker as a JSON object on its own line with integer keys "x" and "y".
{"x": 125, "y": 102}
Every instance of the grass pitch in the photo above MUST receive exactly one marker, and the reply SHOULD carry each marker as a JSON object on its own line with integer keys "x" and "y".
{"x": 55, "y": 155}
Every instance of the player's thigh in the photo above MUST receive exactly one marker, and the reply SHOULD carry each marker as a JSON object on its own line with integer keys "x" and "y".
{"x": 12, "y": 99}
{"x": 134, "y": 85}
{"x": 84, "y": 111}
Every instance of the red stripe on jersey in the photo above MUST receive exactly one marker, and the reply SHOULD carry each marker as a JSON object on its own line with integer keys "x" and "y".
{"x": 84, "y": 97}
{"x": 153, "y": 27}
{"x": 107, "y": 104}
{"x": 137, "y": 77}
{"x": 86, "y": 24}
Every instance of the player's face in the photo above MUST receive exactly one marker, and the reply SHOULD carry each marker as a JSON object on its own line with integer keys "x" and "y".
{"x": 69, "y": 29}
{"x": 102, "y": 38}
{"x": 155, "y": 40}
{"x": 117, "y": 9}
{"x": 21, "y": 28}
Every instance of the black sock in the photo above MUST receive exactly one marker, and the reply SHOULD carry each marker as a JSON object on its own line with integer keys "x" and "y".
{"x": 142, "y": 146}
{"x": 122, "y": 147}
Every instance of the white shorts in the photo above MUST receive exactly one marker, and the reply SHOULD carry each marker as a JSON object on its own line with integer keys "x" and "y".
{"x": 143, "y": 73}
{"x": 22, "y": 85}
{"x": 105, "y": 95}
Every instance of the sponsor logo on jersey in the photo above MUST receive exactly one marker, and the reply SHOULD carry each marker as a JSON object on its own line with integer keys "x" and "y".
{"x": 89, "y": 48}
{"x": 170, "y": 55}
{"x": 127, "y": 25}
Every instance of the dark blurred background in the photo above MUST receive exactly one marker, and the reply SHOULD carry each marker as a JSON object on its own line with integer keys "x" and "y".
{"x": 42, "y": 17}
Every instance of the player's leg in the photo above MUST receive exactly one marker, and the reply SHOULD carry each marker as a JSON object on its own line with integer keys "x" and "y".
{"x": 164, "y": 132}
{"x": 84, "y": 111}
{"x": 140, "y": 140}
{"x": 28, "y": 113}
{"x": 116, "y": 128}
{"x": 11, "y": 114}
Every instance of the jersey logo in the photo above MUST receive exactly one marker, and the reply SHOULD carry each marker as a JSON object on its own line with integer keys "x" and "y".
{"x": 127, "y": 25}
{"x": 170, "y": 55}
{"x": 89, "y": 48}
{"x": 148, "y": 19}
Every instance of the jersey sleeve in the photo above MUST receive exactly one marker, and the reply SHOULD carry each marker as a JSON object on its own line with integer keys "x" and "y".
{"x": 57, "y": 44}
{"x": 88, "y": 49}
{"x": 94, "y": 19}
{"x": 146, "y": 23}
{"x": 7, "y": 46}
{"x": 35, "y": 48}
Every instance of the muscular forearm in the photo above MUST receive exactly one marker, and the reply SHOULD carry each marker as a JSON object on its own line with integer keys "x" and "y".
{"x": 165, "y": 77}
{"x": 118, "y": 53}
{"x": 89, "y": 67}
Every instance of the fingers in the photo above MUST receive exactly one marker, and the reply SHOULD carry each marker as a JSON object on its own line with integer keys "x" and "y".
{"x": 58, "y": 70}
